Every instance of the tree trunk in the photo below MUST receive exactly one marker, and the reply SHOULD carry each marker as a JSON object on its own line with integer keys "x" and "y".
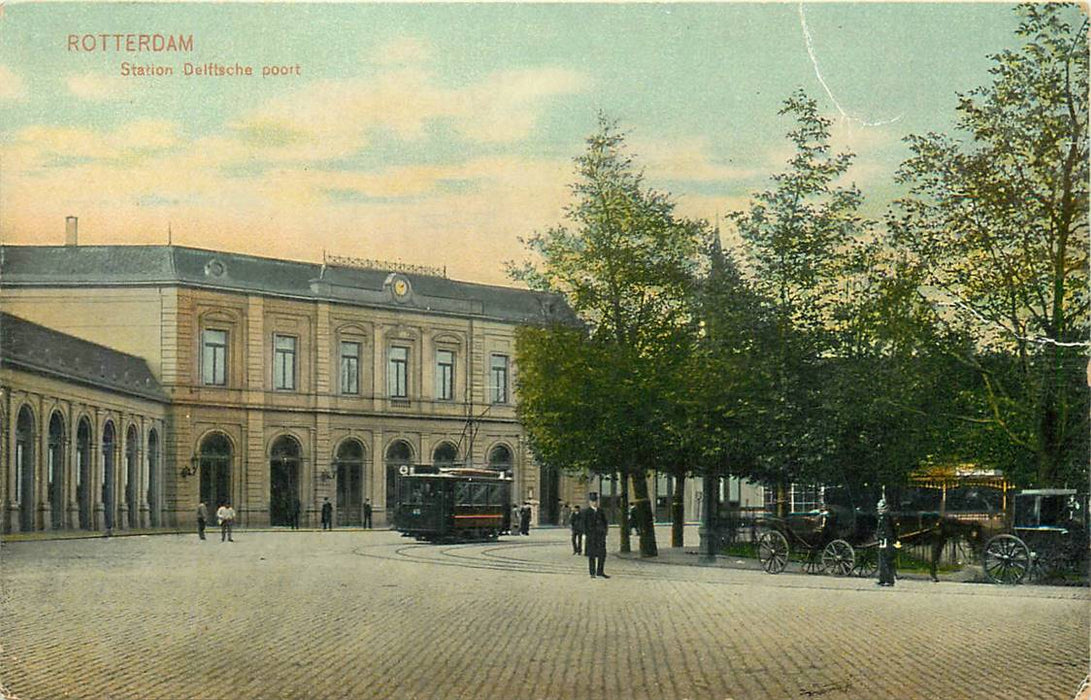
{"x": 678, "y": 512}
{"x": 625, "y": 542}
{"x": 644, "y": 516}
{"x": 782, "y": 499}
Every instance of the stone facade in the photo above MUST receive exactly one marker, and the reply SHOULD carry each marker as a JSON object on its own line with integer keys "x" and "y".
{"x": 282, "y": 380}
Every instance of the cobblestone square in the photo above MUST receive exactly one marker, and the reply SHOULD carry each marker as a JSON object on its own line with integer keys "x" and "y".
{"x": 367, "y": 614}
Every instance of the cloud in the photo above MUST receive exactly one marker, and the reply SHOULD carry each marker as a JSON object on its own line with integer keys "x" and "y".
{"x": 689, "y": 160}
{"x": 96, "y": 87}
{"x": 11, "y": 85}
{"x": 40, "y": 146}
{"x": 334, "y": 118}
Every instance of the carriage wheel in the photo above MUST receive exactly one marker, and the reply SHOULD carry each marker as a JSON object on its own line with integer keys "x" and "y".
{"x": 1006, "y": 559}
{"x": 838, "y": 558}
{"x": 773, "y": 552}
{"x": 867, "y": 562}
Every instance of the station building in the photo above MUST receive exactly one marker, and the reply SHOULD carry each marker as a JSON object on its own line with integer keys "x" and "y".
{"x": 138, "y": 381}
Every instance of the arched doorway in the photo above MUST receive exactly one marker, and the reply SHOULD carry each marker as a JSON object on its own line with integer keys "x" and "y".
{"x": 214, "y": 459}
{"x": 350, "y": 483}
{"x": 153, "y": 477}
{"x": 284, "y": 462}
{"x": 83, "y": 473}
{"x": 399, "y": 454}
{"x": 24, "y": 467}
{"x": 55, "y": 471}
{"x": 500, "y": 459}
{"x": 445, "y": 455}
{"x": 132, "y": 485}
{"x": 109, "y": 463}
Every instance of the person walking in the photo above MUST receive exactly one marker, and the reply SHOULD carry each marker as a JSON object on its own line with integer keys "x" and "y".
{"x": 293, "y": 515}
{"x": 595, "y": 527}
{"x": 367, "y": 513}
{"x": 202, "y": 519}
{"x": 887, "y": 535}
{"x": 566, "y": 513}
{"x": 226, "y": 515}
{"x": 576, "y": 523}
{"x": 327, "y": 514}
{"x": 515, "y": 518}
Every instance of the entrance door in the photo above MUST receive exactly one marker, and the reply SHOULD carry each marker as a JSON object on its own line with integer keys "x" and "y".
{"x": 350, "y": 483}
{"x": 283, "y": 480}
{"x": 215, "y": 472}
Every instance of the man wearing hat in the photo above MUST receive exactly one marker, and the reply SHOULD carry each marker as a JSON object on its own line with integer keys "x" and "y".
{"x": 595, "y": 527}
{"x": 887, "y": 536}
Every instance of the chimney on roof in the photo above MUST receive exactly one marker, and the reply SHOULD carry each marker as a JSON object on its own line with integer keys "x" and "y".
{"x": 71, "y": 233}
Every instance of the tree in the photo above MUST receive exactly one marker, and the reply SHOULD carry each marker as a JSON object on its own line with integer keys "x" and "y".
{"x": 797, "y": 237}
{"x": 624, "y": 262}
{"x": 995, "y": 226}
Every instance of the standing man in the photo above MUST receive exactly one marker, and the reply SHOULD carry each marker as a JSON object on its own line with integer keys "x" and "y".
{"x": 524, "y": 519}
{"x": 576, "y": 522}
{"x": 595, "y": 527}
{"x": 566, "y": 513}
{"x": 327, "y": 514}
{"x": 515, "y": 518}
{"x": 202, "y": 519}
{"x": 367, "y": 513}
{"x": 887, "y": 536}
{"x": 226, "y": 515}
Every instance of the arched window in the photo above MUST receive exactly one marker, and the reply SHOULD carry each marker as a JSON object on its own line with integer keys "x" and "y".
{"x": 284, "y": 461}
{"x": 214, "y": 459}
{"x": 399, "y": 454}
{"x": 445, "y": 455}
{"x": 83, "y": 473}
{"x": 500, "y": 459}
{"x": 153, "y": 477}
{"x": 55, "y": 470}
{"x": 132, "y": 463}
{"x": 109, "y": 464}
{"x": 24, "y": 467}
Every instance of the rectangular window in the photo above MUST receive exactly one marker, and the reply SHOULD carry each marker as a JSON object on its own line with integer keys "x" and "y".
{"x": 283, "y": 362}
{"x": 445, "y": 375}
{"x": 350, "y": 368}
{"x": 397, "y": 380}
{"x": 214, "y": 357}
{"x": 498, "y": 378}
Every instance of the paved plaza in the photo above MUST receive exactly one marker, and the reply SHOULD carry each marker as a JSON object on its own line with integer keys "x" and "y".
{"x": 353, "y": 614}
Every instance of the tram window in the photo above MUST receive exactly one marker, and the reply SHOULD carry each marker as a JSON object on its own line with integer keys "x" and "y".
{"x": 462, "y": 493}
{"x": 480, "y": 494}
{"x": 493, "y": 494}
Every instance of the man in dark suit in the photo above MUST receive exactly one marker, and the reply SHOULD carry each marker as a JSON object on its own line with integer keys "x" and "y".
{"x": 576, "y": 522}
{"x": 367, "y": 513}
{"x": 327, "y": 514}
{"x": 595, "y": 527}
{"x": 887, "y": 535}
{"x": 294, "y": 515}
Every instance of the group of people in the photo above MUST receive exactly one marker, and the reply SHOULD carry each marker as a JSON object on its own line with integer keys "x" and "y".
{"x": 589, "y": 528}
{"x": 225, "y": 516}
{"x": 520, "y": 519}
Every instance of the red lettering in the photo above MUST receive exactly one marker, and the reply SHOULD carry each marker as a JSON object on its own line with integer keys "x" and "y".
{"x": 73, "y": 42}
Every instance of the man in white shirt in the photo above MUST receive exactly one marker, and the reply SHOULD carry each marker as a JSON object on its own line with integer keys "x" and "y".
{"x": 226, "y": 516}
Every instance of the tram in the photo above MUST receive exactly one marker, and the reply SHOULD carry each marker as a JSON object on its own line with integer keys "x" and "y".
{"x": 455, "y": 504}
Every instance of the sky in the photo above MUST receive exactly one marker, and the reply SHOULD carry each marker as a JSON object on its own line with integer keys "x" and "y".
{"x": 438, "y": 134}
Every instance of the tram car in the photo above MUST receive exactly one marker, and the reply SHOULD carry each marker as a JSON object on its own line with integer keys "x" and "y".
{"x": 454, "y": 504}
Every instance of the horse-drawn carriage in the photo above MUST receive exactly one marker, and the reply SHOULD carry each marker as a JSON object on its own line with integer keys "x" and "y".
{"x": 1041, "y": 534}
{"x": 837, "y": 538}
{"x": 1047, "y": 538}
